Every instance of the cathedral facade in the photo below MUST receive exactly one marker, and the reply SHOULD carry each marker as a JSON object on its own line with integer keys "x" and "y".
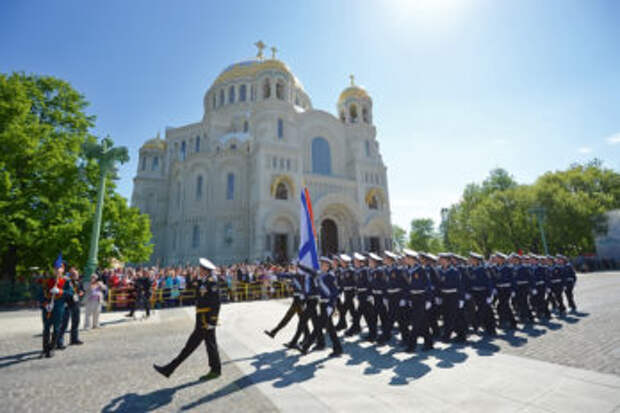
{"x": 228, "y": 187}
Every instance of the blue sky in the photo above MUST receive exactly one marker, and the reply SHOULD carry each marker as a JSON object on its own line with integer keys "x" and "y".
{"x": 459, "y": 87}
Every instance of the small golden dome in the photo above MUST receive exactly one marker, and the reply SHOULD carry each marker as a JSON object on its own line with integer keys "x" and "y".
{"x": 249, "y": 68}
{"x": 353, "y": 91}
{"x": 155, "y": 143}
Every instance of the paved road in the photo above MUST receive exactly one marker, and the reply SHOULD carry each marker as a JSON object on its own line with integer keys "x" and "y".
{"x": 112, "y": 372}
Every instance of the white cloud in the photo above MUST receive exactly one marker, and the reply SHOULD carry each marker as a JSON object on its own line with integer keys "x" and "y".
{"x": 584, "y": 149}
{"x": 613, "y": 139}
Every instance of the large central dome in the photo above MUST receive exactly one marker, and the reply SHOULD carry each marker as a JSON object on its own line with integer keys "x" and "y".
{"x": 250, "y": 67}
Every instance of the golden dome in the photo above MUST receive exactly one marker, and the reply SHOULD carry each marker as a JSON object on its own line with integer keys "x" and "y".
{"x": 249, "y": 68}
{"x": 155, "y": 143}
{"x": 353, "y": 91}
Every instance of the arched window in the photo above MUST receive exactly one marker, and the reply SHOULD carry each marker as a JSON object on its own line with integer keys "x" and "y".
{"x": 214, "y": 101}
{"x": 178, "y": 195}
{"x": 197, "y": 144}
{"x": 231, "y": 94}
{"x": 365, "y": 114}
{"x": 343, "y": 118}
{"x": 183, "y": 151}
{"x": 367, "y": 148}
{"x": 230, "y": 186}
{"x": 199, "y": 187}
{"x": 252, "y": 93}
{"x": 353, "y": 113}
{"x": 242, "y": 93}
{"x": 155, "y": 164}
{"x": 144, "y": 163}
{"x": 280, "y": 90}
{"x": 373, "y": 203}
{"x": 221, "y": 97}
{"x": 321, "y": 157}
{"x": 266, "y": 89}
{"x": 196, "y": 237}
{"x": 280, "y": 129}
{"x": 281, "y": 191}
{"x": 246, "y": 126}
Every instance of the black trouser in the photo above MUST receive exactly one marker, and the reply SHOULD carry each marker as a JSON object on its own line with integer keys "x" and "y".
{"x": 469, "y": 314}
{"x": 539, "y": 302}
{"x": 523, "y": 307}
{"x": 342, "y": 322}
{"x": 484, "y": 313}
{"x": 452, "y": 316}
{"x": 325, "y": 321}
{"x": 367, "y": 310}
{"x": 295, "y": 308}
{"x": 198, "y": 335}
{"x": 568, "y": 290}
{"x": 71, "y": 311}
{"x": 53, "y": 321}
{"x": 503, "y": 307}
{"x": 309, "y": 315}
{"x": 395, "y": 314}
{"x": 418, "y": 317}
{"x": 433, "y": 318}
{"x": 557, "y": 289}
{"x": 348, "y": 306}
{"x": 141, "y": 300}
{"x": 381, "y": 311}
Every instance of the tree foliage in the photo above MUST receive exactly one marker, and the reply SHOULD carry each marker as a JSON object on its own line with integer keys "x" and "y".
{"x": 496, "y": 215}
{"x": 398, "y": 235}
{"x": 46, "y": 183}
{"x": 422, "y": 236}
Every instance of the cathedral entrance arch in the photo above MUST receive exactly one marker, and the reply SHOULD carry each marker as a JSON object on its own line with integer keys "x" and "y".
{"x": 329, "y": 237}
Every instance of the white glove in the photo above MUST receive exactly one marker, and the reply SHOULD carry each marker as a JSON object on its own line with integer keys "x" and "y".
{"x": 489, "y": 300}
{"x": 427, "y": 305}
{"x": 330, "y": 310}
{"x": 402, "y": 303}
{"x": 512, "y": 294}
{"x": 461, "y": 303}
{"x": 467, "y": 296}
{"x": 76, "y": 298}
{"x": 534, "y": 291}
{"x": 54, "y": 290}
{"x": 385, "y": 302}
{"x": 371, "y": 300}
{"x": 438, "y": 300}
{"x": 49, "y": 307}
{"x": 548, "y": 290}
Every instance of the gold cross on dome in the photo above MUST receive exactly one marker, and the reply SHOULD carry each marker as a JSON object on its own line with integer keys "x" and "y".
{"x": 273, "y": 52}
{"x": 260, "y": 45}
{"x": 352, "y": 80}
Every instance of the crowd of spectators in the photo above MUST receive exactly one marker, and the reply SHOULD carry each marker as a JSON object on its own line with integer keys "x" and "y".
{"x": 237, "y": 282}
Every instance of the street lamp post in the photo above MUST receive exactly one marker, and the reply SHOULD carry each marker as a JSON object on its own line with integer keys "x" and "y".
{"x": 539, "y": 212}
{"x": 106, "y": 156}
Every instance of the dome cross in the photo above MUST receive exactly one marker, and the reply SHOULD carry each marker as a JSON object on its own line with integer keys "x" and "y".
{"x": 352, "y": 80}
{"x": 260, "y": 45}
{"x": 273, "y": 52}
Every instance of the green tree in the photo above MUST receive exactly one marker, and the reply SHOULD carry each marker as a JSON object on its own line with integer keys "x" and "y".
{"x": 46, "y": 184}
{"x": 398, "y": 236}
{"x": 422, "y": 236}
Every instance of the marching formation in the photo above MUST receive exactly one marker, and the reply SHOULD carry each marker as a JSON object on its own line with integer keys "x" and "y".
{"x": 423, "y": 296}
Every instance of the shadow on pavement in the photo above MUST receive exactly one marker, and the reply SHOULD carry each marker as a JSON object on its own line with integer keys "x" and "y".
{"x": 7, "y": 361}
{"x": 132, "y": 402}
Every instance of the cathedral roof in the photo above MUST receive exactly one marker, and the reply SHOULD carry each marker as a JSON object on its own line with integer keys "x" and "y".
{"x": 249, "y": 68}
{"x": 353, "y": 91}
{"x": 155, "y": 143}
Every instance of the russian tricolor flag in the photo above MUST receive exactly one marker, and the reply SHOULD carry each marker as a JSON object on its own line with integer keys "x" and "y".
{"x": 307, "y": 246}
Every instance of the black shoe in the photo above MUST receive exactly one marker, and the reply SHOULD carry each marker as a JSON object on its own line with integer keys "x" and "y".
{"x": 340, "y": 327}
{"x": 129, "y": 315}
{"x": 49, "y": 354}
{"x": 290, "y": 345}
{"x": 60, "y": 346}
{"x": 163, "y": 370}
{"x": 370, "y": 339}
{"x": 427, "y": 347}
{"x": 302, "y": 349}
{"x": 318, "y": 347}
{"x": 335, "y": 353}
{"x": 210, "y": 375}
{"x": 381, "y": 342}
{"x": 269, "y": 333}
{"x": 460, "y": 339}
{"x": 410, "y": 349}
{"x": 77, "y": 343}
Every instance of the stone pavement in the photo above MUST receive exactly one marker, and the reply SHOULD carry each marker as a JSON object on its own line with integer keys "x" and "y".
{"x": 570, "y": 364}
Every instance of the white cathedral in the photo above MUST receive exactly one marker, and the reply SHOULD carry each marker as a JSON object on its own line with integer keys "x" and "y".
{"x": 228, "y": 186}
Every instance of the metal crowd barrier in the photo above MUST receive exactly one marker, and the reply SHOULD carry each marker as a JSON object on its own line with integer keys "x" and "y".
{"x": 122, "y": 298}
